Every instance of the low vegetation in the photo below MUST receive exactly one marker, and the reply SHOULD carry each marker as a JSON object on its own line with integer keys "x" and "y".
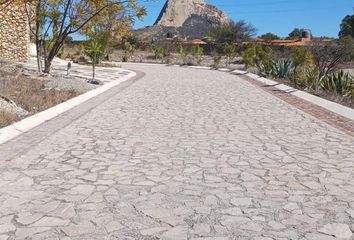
{"x": 6, "y": 118}
{"x": 314, "y": 68}
{"x": 28, "y": 93}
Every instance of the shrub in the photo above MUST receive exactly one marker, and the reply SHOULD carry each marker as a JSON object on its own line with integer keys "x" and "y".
{"x": 258, "y": 56}
{"x": 340, "y": 83}
{"x": 183, "y": 54}
{"x": 129, "y": 49}
{"x": 197, "y": 53}
{"x": 310, "y": 78}
{"x": 7, "y": 118}
{"x": 217, "y": 60}
{"x": 301, "y": 58}
{"x": 327, "y": 57}
{"x": 158, "y": 50}
{"x": 230, "y": 52}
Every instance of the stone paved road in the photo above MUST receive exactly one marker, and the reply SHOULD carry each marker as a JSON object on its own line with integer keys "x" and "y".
{"x": 183, "y": 154}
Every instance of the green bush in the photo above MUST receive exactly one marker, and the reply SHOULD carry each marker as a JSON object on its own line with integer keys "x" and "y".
{"x": 217, "y": 60}
{"x": 230, "y": 52}
{"x": 158, "y": 50}
{"x": 197, "y": 53}
{"x": 302, "y": 58}
{"x": 129, "y": 49}
{"x": 183, "y": 54}
{"x": 258, "y": 56}
{"x": 308, "y": 77}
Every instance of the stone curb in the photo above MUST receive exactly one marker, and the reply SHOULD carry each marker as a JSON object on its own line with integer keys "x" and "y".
{"x": 16, "y": 129}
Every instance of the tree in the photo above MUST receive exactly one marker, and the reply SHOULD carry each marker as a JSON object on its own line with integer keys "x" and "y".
{"x": 347, "y": 27}
{"x": 295, "y": 34}
{"x": 269, "y": 37}
{"x": 96, "y": 48}
{"x": 55, "y": 20}
{"x": 232, "y": 32}
{"x": 347, "y": 44}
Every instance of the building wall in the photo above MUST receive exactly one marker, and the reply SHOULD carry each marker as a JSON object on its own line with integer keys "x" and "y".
{"x": 14, "y": 33}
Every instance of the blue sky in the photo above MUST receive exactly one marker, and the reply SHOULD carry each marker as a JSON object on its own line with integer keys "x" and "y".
{"x": 323, "y": 17}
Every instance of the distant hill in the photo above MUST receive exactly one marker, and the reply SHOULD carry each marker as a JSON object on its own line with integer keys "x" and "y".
{"x": 183, "y": 19}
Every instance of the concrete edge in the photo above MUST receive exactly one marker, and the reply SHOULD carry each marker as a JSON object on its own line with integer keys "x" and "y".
{"x": 9, "y": 132}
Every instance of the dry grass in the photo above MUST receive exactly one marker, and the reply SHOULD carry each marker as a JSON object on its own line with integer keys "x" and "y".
{"x": 6, "y": 118}
{"x": 31, "y": 94}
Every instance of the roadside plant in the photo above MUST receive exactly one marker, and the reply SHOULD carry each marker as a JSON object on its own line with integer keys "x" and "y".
{"x": 129, "y": 49}
{"x": 183, "y": 54}
{"x": 230, "y": 52}
{"x": 216, "y": 61}
{"x": 158, "y": 50}
{"x": 327, "y": 57}
{"x": 310, "y": 78}
{"x": 95, "y": 50}
{"x": 197, "y": 53}
{"x": 282, "y": 68}
{"x": 301, "y": 58}
{"x": 258, "y": 56}
{"x": 339, "y": 83}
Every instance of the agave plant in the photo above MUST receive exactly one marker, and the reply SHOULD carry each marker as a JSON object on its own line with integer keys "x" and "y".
{"x": 340, "y": 83}
{"x": 312, "y": 77}
{"x": 283, "y": 68}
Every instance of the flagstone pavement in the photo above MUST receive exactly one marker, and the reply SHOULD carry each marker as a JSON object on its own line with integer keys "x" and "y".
{"x": 180, "y": 154}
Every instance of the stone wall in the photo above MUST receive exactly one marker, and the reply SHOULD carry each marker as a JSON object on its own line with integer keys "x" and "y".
{"x": 14, "y": 33}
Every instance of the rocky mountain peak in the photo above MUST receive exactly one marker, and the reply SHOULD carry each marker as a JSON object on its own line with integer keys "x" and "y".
{"x": 183, "y": 19}
{"x": 176, "y": 12}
